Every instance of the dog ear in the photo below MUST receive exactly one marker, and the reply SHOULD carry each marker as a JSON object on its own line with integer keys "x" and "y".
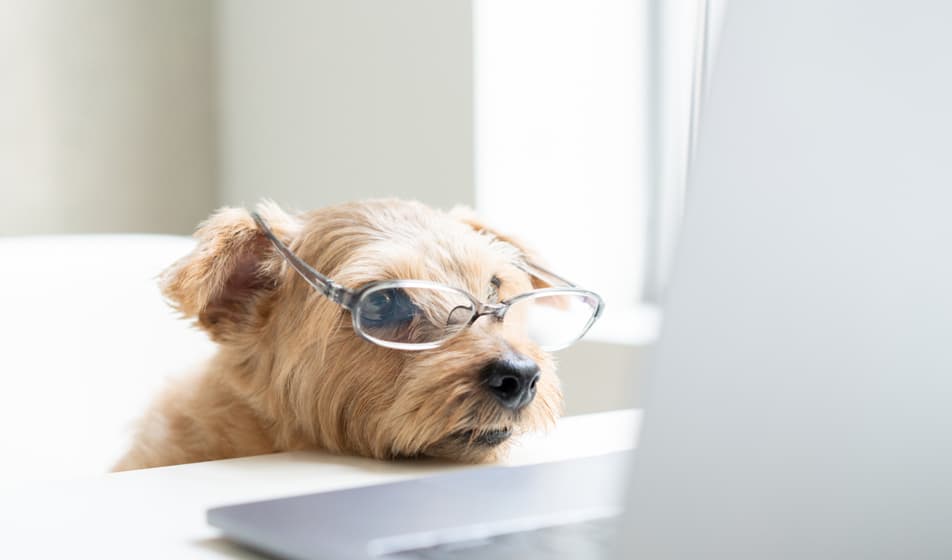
{"x": 466, "y": 215}
{"x": 220, "y": 282}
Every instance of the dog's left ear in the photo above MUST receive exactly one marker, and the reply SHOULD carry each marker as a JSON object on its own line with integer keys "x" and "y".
{"x": 466, "y": 215}
{"x": 233, "y": 265}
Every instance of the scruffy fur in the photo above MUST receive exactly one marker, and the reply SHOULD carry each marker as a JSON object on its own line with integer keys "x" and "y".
{"x": 290, "y": 373}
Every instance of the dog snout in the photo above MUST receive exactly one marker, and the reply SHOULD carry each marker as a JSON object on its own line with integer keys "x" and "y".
{"x": 512, "y": 380}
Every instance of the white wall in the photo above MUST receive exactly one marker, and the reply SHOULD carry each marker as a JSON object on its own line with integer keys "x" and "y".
{"x": 105, "y": 115}
{"x": 326, "y": 101}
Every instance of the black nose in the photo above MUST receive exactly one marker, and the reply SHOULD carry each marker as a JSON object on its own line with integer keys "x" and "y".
{"x": 512, "y": 380}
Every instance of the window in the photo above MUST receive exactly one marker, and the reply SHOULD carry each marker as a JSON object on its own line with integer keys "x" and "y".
{"x": 584, "y": 113}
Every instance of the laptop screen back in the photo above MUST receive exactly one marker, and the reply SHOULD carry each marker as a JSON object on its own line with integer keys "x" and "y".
{"x": 800, "y": 401}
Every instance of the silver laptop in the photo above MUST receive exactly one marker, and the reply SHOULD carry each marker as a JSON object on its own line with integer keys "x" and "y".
{"x": 801, "y": 400}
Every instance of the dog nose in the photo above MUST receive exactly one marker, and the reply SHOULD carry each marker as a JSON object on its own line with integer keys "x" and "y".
{"x": 512, "y": 380}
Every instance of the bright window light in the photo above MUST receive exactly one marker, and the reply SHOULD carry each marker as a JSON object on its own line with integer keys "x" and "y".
{"x": 560, "y": 135}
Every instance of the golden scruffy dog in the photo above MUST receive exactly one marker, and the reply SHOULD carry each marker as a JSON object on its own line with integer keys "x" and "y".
{"x": 291, "y": 372}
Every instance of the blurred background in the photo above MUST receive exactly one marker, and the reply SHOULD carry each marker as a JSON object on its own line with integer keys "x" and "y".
{"x": 565, "y": 122}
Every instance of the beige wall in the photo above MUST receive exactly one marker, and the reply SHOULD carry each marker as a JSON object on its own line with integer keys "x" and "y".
{"x": 325, "y": 101}
{"x": 106, "y": 120}
{"x": 134, "y": 115}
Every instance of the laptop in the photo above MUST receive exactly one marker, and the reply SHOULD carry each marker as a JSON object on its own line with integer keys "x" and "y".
{"x": 799, "y": 403}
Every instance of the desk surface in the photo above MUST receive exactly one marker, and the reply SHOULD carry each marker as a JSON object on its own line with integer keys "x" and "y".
{"x": 161, "y": 512}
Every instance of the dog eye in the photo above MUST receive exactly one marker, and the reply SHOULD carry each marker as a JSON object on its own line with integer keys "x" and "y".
{"x": 494, "y": 284}
{"x": 387, "y": 307}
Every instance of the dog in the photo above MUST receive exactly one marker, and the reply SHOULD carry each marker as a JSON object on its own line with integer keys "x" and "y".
{"x": 290, "y": 371}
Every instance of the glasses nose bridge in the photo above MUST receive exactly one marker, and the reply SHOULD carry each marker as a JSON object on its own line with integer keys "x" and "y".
{"x": 496, "y": 310}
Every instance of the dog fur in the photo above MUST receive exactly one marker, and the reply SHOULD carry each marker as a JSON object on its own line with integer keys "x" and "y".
{"x": 290, "y": 373}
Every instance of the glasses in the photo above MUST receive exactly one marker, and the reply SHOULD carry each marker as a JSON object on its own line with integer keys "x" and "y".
{"x": 421, "y": 315}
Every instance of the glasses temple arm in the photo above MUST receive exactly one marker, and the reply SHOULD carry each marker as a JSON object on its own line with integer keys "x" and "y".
{"x": 541, "y": 273}
{"x": 334, "y": 291}
{"x": 538, "y": 271}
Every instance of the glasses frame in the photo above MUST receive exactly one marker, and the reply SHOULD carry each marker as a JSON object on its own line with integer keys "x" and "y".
{"x": 349, "y": 299}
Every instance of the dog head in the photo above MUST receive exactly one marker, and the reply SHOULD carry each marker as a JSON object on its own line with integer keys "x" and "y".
{"x": 294, "y": 355}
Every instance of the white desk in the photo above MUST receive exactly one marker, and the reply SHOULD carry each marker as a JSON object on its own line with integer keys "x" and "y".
{"x": 161, "y": 512}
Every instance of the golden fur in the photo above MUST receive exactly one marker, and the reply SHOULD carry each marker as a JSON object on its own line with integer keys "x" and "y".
{"x": 290, "y": 372}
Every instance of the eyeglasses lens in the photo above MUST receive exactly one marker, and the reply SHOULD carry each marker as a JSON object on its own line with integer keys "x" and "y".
{"x": 554, "y": 321}
{"x": 413, "y": 315}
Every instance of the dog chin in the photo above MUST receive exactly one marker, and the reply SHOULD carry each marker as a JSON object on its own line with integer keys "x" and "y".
{"x": 477, "y": 445}
{"x": 480, "y": 438}
{"x": 486, "y": 438}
